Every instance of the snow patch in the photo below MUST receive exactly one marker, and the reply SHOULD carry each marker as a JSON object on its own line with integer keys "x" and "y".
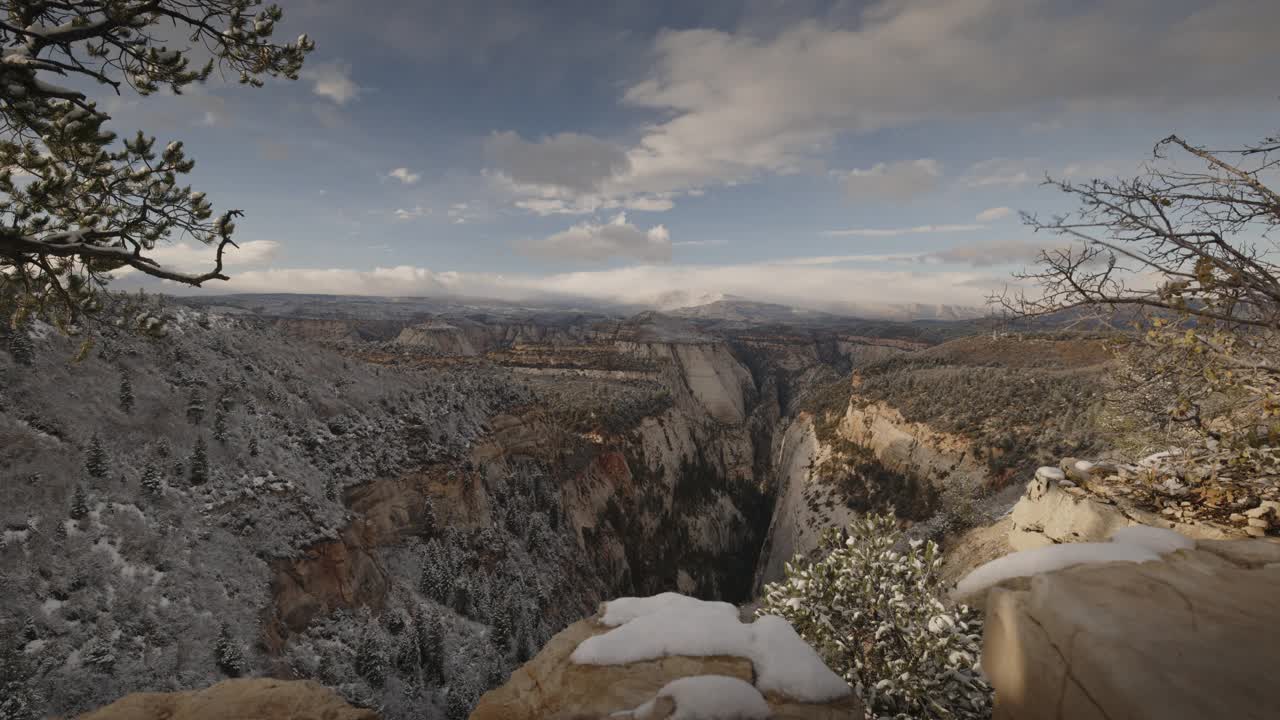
{"x": 709, "y": 697}
{"x": 674, "y": 624}
{"x": 1050, "y": 473}
{"x": 1138, "y": 543}
{"x": 1151, "y": 461}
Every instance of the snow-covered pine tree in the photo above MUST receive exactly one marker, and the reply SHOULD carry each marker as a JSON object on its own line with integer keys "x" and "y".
{"x": 126, "y": 394}
{"x": 524, "y": 646}
{"x": 95, "y": 463}
{"x": 495, "y": 672}
{"x": 152, "y": 482}
{"x": 199, "y": 473}
{"x": 60, "y": 531}
{"x": 406, "y": 658}
{"x": 227, "y": 653}
{"x": 437, "y": 580}
{"x": 428, "y": 517}
{"x": 220, "y": 424}
{"x": 195, "y": 406}
{"x": 253, "y": 446}
{"x": 100, "y": 654}
{"x": 461, "y": 697}
{"x": 500, "y": 635}
{"x": 462, "y": 600}
{"x": 79, "y": 504}
{"x": 18, "y": 698}
{"x": 481, "y": 597}
{"x": 430, "y": 638}
{"x": 371, "y": 659}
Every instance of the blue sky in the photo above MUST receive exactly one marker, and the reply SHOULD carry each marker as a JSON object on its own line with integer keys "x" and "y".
{"x": 842, "y": 155}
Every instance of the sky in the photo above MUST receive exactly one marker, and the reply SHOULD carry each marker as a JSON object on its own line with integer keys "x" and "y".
{"x": 821, "y": 153}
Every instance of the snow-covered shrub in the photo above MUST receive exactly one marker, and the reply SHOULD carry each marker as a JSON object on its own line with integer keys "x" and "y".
{"x": 876, "y": 616}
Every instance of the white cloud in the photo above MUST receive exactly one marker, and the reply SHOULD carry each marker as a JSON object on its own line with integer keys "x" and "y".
{"x": 718, "y": 242}
{"x": 897, "y": 182}
{"x": 405, "y": 175}
{"x": 1099, "y": 169}
{"x": 739, "y": 105}
{"x": 413, "y": 213}
{"x": 851, "y": 289}
{"x": 588, "y": 204}
{"x": 461, "y": 213}
{"x": 332, "y": 80}
{"x": 990, "y": 253}
{"x": 894, "y": 232}
{"x": 1002, "y": 173}
{"x": 194, "y": 257}
{"x": 993, "y": 214}
{"x": 844, "y": 259}
{"x": 565, "y": 163}
{"x": 595, "y": 242}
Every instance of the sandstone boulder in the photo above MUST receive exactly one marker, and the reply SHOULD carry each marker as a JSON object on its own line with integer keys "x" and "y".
{"x": 551, "y": 686}
{"x": 242, "y": 699}
{"x": 1186, "y": 637}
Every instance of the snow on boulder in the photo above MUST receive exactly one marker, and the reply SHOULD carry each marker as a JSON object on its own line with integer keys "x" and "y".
{"x": 1050, "y": 474}
{"x": 703, "y": 697}
{"x": 672, "y": 656}
{"x": 1137, "y": 543}
{"x": 673, "y": 624}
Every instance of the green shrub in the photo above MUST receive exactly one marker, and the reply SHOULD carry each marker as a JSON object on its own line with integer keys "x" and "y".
{"x": 876, "y": 616}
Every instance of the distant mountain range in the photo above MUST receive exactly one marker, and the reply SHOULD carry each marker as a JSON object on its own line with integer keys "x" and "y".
{"x": 696, "y": 306}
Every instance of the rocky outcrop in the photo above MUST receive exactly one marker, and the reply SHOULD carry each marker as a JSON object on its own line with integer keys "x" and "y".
{"x": 551, "y": 686}
{"x": 912, "y": 447}
{"x": 1056, "y": 509}
{"x": 243, "y": 699}
{"x": 1186, "y": 637}
{"x": 440, "y": 337}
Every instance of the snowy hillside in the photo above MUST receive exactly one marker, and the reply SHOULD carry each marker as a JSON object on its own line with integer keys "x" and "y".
{"x": 153, "y": 491}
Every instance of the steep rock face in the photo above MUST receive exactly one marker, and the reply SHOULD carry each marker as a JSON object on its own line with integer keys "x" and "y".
{"x": 440, "y": 337}
{"x": 552, "y": 687}
{"x": 869, "y": 458}
{"x": 708, "y": 371}
{"x": 914, "y": 447}
{"x": 804, "y": 507}
{"x": 245, "y": 699}
{"x": 1184, "y": 637}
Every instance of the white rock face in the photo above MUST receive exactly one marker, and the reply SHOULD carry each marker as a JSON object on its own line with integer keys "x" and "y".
{"x": 1187, "y": 637}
